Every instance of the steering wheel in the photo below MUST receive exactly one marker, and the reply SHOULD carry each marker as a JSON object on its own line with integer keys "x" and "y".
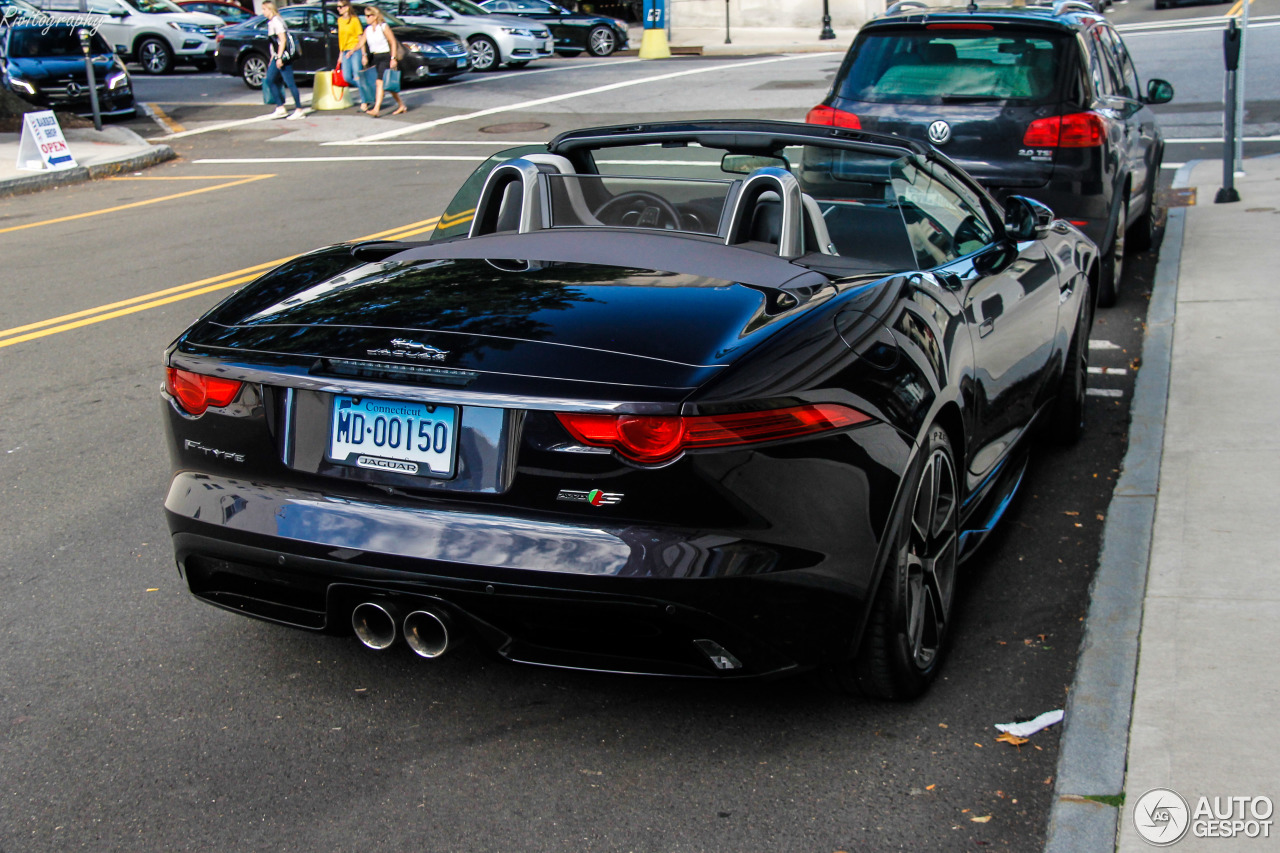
{"x": 639, "y": 209}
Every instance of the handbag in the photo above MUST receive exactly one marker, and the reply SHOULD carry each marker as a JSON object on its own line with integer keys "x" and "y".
{"x": 391, "y": 80}
{"x": 291, "y": 49}
{"x": 339, "y": 79}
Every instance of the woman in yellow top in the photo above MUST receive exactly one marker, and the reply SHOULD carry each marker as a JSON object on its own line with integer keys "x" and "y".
{"x": 349, "y": 57}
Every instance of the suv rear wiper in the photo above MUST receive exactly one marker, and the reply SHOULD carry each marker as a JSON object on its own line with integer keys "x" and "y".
{"x": 972, "y": 99}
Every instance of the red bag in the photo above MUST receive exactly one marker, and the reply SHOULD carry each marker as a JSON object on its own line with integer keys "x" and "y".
{"x": 338, "y": 79}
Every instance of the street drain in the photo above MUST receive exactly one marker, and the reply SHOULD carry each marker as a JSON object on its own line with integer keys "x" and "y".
{"x": 515, "y": 127}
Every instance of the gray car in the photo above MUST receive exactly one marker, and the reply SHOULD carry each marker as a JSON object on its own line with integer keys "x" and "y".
{"x": 493, "y": 40}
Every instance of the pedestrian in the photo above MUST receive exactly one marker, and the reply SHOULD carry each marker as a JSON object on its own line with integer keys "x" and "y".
{"x": 280, "y": 67}
{"x": 381, "y": 45}
{"x": 350, "y": 55}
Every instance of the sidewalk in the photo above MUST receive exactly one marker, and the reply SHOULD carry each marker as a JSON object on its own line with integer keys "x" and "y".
{"x": 97, "y": 154}
{"x": 1198, "y": 613}
{"x": 749, "y": 41}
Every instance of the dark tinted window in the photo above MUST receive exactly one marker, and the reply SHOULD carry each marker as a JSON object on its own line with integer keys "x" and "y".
{"x": 929, "y": 67}
{"x": 1128, "y": 79}
{"x": 52, "y": 41}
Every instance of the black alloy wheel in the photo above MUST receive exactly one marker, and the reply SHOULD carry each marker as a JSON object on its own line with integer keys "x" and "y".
{"x": 253, "y": 70}
{"x": 484, "y": 54}
{"x": 601, "y": 41}
{"x": 1067, "y": 419}
{"x": 155, "y": 56}
{"x": 1113, "y": 260}
{"x": 907, "y": 630}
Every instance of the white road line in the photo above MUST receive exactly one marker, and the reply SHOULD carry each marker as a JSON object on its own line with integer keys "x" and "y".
{"x": 537, "y": 102}
{"x": 1104, "y": 392}
{"x": 1211, "y": 29}
{"x": 1103, "y": 345}
{"x": 223, "y": 161}
{"x": 1205, "y": 140}
{"x": 1109, "y": 371}
{"x": 223, "y": 125}
{"x": 1172, "y": 165}
{"x": 1220, "y": 20}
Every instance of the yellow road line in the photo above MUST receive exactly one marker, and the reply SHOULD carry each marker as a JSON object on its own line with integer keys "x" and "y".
{"x": 89, "y": 316}
{"x": 163, "y": 118}
{"x": 177, "y": 177}
{"x": 134, "y": 204}
{"x": 1236, "y": 9}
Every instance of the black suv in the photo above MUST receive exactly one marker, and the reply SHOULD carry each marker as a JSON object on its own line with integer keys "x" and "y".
{"x": 1035, "y": 100}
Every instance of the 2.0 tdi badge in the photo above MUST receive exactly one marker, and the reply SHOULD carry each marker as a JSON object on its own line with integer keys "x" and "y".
{"x": 595, "y": 497}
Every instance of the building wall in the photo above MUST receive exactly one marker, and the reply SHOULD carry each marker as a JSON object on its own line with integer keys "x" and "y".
{"x": 771, "y": 13}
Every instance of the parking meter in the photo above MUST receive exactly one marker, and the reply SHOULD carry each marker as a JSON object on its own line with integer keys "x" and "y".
{"x": 1231, "y": 55}
{"x": 1231, "y": 45}
{"x": 86, "y": 46}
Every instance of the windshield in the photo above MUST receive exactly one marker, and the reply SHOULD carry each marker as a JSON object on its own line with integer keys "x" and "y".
{"x": 931, "y": 67}
{"x": 463, "y": 7}
{"x": 155, "y": 7}
{"x": 52, "y": 41}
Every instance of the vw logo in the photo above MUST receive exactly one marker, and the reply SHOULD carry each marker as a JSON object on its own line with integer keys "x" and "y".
{"x": 939, "y": 132}
{"x": 73, "y": 89}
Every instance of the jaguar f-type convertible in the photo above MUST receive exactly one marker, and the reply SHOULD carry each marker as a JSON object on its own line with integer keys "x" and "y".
{"x": 719, "y": 399}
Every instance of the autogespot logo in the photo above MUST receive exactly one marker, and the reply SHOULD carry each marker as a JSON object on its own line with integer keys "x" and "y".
{"x": 1161, "y": 817}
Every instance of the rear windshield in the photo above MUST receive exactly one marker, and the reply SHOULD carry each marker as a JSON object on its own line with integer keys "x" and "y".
{"x": 954, "y": 66}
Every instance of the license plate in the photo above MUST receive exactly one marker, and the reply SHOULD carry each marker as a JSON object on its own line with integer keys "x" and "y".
{"x": 462, "y": 62}
{"x": 393, "y": 435}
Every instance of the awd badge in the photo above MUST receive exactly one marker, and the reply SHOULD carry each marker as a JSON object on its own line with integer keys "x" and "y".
{"x": 595, "y": 497}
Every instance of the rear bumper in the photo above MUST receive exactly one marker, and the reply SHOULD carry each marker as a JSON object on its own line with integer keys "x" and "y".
{"x": 616, "y": 599}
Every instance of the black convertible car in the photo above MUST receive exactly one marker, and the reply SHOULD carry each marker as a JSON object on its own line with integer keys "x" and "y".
{"x": 716, "y": 399}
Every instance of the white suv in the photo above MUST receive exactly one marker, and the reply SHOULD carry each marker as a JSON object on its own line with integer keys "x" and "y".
{"x": 492, "y": 40}
{"x": 157, "y": 34}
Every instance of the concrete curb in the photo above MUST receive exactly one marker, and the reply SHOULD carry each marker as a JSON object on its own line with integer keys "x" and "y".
{"x": 153, "y": 155}
{"x": 1095, "y": 738}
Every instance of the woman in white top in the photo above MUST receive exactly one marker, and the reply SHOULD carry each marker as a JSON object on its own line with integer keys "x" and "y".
{"x": 380, "y": 47}
{"x": 279, "y": 68}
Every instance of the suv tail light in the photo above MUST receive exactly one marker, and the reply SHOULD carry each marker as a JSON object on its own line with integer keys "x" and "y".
{"x": 1076, "y": 130}
{"x": 832, "y": 117}
{"x": 196, "y": 392}
{"x": 651, "y": 439}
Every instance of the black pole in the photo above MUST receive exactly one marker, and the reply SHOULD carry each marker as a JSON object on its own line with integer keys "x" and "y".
{"x": 329, "y": 61}
{"x": 827, "y": 32}
{"x": 726, "y": 22}
{"x": 93, "y": 83}
{"x": 1231, "y": 54}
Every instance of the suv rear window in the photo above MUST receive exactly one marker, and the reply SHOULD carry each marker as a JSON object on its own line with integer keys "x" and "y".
{"x": 932, "y": 67}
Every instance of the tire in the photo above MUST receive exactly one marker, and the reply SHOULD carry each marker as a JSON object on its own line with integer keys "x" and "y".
{"x": 906, "y": 633}
{"x": 484, "y": 54}
{"x": 601, "y": 41}
{"x": 1142, "y": 236}
{"x": 1066, "y": 423}
{"x": 155, "y": 56}
{"x": 1113, "y": 260}
{"x": 253, "y": 70}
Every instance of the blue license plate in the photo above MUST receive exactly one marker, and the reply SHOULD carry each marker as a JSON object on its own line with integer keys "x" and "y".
{"x": 462, "y": 62}
{"x": 394, "y": 435}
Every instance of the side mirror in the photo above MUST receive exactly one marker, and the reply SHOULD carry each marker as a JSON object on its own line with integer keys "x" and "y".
{"x": 1159, "y": 91}
{"x": 1026, "y": 219}
{"x": 118, "y": 13}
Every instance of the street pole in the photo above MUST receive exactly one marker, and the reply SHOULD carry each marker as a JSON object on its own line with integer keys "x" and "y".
{"x": 86, "y": 46}
{"x": 1244, "y": 59}
{"x": 827, "y": 32}
{"x": 726, "y": 22}
{"x": 329, "y": 61}
{"x": 1231, "y": 57}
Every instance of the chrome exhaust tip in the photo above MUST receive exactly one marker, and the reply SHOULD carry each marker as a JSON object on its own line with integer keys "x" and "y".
{"x": 427, "y": 633}
{"x": 375, "y": 624}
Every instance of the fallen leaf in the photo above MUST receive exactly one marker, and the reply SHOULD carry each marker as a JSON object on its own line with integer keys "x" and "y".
{"x": 982, "y": 819}
{"x": 1042, "y": 637}
{"x": 154, "y": 589}
{"x": 964, "y": 811}
{"x": 1101, "y": 517}
{"x": 1078, "y": 524}
{"x": 1048, "y": 780}
{"x": 1005, "y": 737}
{"x": 930, "y": 787}
{"x": 1070, "y": 512}
{"x": 1000, "y": 794}
{"x": 978, "y": 745}
{"x": 943, "y": 726}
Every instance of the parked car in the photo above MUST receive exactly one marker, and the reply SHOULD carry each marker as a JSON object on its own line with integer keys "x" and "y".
{"x": 494, "y": 40}
{"x": 44, "y": 64}
{"x": 157, "y": 34}
{"x": 717, "y": 399}
{"x": 431, "y": 55}
{"x": 230, "y": 13}
{"x": 573, "y": 32}
{"x": 1040, "y": 101}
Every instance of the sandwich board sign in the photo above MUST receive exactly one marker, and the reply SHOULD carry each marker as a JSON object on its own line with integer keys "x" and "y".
{"x": 42, "y": 145}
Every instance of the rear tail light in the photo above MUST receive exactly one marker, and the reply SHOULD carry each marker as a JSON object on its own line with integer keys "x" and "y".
{"x": 832, "y": 117}
{"x": 651, "y": 439}
{"x": 1076, "y": 130}
{"x": 196, "y": 392}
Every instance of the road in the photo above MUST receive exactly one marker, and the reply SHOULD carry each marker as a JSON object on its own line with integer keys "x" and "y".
{"x": 134, "y": 718}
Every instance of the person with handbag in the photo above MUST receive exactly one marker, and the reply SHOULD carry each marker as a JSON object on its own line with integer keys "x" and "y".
{"x": 284, "y": 50}
{"x": 383, "y": 51}
{"x": 350, "y": 59}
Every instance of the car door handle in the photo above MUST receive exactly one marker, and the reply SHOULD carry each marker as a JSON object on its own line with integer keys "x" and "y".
{"x": 987, "y": 327}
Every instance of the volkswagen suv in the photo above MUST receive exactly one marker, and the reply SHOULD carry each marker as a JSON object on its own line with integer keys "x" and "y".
{"x": 1037, "y": 101}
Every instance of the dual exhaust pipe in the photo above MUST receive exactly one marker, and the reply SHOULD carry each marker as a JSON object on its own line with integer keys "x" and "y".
{"x": 378, "y": 624}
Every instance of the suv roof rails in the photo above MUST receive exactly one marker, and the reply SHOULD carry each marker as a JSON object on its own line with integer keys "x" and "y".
{"x": 903, "y": 5}
{"x": 1063, "y": 6}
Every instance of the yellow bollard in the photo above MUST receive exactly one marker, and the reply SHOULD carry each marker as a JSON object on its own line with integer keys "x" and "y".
{"x": 653, "y": 44}
{"x": 326, "y": 96}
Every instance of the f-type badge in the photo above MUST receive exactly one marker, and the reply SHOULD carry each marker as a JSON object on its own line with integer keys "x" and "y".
{"x": 402, "y": 348}
{"x": 939, "y": 132}
{"x": 595, "y": 497}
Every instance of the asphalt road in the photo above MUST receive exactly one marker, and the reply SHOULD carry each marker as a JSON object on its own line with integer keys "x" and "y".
{"x": 134, "y": 718}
